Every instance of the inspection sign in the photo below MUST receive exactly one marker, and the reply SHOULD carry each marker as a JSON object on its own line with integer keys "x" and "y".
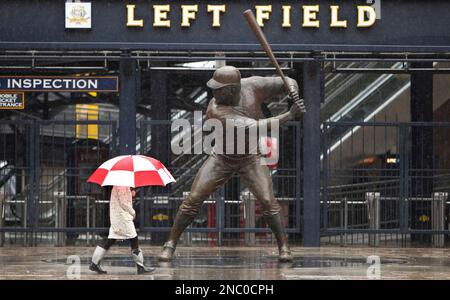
{"x": 59, "y": 84}
{"x": 12, "y": 100}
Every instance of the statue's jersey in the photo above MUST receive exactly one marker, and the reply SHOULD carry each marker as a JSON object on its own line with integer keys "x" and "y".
{"x": 243, "y": 116}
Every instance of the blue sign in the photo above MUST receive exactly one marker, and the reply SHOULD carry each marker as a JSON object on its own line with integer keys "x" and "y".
{"x": 60, "y": 84}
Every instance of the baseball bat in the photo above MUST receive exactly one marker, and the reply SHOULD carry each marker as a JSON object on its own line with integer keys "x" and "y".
{"x": 266, "y": 46}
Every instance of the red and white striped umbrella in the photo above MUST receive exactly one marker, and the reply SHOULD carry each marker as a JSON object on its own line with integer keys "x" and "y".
{"x": 132, "y": 171}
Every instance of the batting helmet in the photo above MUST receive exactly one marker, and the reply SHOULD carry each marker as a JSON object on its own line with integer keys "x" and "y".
{"x": 224, "y": 76}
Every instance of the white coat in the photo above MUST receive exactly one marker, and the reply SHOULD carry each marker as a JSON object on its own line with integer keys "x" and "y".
{"x": 121, "y": 214}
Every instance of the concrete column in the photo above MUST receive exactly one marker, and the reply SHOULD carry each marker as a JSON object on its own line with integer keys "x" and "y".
{"x": 373, "y": 213}
{"x": 249, "y": 202}
{"x": 61, "y": 220}
{"x": 438, "y": 218}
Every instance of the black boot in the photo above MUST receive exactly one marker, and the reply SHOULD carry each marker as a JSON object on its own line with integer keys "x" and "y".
{"x": 181, "y": 222}
{"x": 97, "y": 257}
{"x": 138, "y": 258}
{"x": 275, "y": 223}
{"x": 96, "y": 268}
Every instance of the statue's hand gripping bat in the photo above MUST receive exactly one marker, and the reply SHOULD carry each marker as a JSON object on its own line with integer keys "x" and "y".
{"x": 266, "y": 46}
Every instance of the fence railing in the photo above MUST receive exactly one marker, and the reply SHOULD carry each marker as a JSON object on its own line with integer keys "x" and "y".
{"x": 52, "y": 203}
{"x": 387, "y": 181}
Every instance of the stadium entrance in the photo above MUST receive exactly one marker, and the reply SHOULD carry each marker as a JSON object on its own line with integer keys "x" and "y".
{"x": 87, "y": 81}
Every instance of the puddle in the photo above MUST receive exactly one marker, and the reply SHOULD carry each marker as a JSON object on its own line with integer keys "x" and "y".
{"x": 238, "y": 262}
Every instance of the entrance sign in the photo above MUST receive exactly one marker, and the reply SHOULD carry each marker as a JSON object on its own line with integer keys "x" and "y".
{"x": 12, "y": 100}
{"x": 290, "y": 25}
{"x": 59, "y": 84}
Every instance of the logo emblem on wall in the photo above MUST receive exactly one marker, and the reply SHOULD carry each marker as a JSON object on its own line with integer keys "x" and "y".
{"x": 78, "y": 15}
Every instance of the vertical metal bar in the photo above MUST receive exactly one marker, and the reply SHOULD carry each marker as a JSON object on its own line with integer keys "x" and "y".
{"x": 298, "y": 157}
{"x": 30, "y": 179}
{"x": 325, "y": 177}
{"x": 31, "y": 199}
{"x": 220, "y": 213}
{"x": 406, "y": 179}
{"x": 3, "y": 199}
{"x": 94, "y": 214}
{"x": 143, "y": 129}
{"x": 311, "y": 153}
{"x": 58, "y": 235}
{"x": 56, "y": 198}
{"x": 113, "y": 145}
{"x": 37, "y": 185}
{"x": 88, "y": 217}
{"x": 2, "y": 216}
{"x": 298, "y": 179}
{"x": 341, "y": 224}
{"x": 438, "y": 218}
{"x": 373, "y": 206}
{"x": 386, "y": 185}
{"x": 249, "y": 210}
{"x": 345, "y": 220}
{"x": 143, "y": 135}
{"x": 403, "y": 180}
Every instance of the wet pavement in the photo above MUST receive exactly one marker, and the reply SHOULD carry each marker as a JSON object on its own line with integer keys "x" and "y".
{"x": 224, "y": 263}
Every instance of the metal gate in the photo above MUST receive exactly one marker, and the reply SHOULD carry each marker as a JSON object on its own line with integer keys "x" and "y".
{"x": 44, "y": 196}
{"x": 232, "y": 215}
{"x": 385, "y": 183}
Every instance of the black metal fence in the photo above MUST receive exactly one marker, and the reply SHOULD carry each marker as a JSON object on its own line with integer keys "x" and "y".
{"x": 383, "y": 183}
{"x": 386, "y": 183}
{"x": 232, "y": 215}
{"x": 45, "y": 199}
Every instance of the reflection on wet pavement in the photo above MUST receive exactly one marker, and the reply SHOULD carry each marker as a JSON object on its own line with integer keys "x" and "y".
{"x": 238, "y": 262}
{"x": 231, "y": 263}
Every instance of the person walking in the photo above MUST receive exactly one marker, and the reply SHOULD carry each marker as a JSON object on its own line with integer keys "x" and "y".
{"x": 122, "y": 227}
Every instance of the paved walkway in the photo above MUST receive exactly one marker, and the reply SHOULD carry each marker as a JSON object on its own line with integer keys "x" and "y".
{"x": 230, "y": 263}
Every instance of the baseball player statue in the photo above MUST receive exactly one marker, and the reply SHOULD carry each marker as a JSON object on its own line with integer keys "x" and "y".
{"x": 238, "y": 100}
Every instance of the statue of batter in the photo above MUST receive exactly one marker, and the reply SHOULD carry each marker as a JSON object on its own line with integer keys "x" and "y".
{"x": 239, "y": 100}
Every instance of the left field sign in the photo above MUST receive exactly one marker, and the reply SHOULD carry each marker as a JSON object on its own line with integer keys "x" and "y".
{"x": 12, "y": 100}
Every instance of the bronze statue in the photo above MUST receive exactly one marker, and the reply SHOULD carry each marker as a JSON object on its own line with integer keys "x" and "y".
{"x": 240, "y": 100}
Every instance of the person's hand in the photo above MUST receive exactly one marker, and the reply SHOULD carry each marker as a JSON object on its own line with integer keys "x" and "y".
{"x": 297, "y": 109}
